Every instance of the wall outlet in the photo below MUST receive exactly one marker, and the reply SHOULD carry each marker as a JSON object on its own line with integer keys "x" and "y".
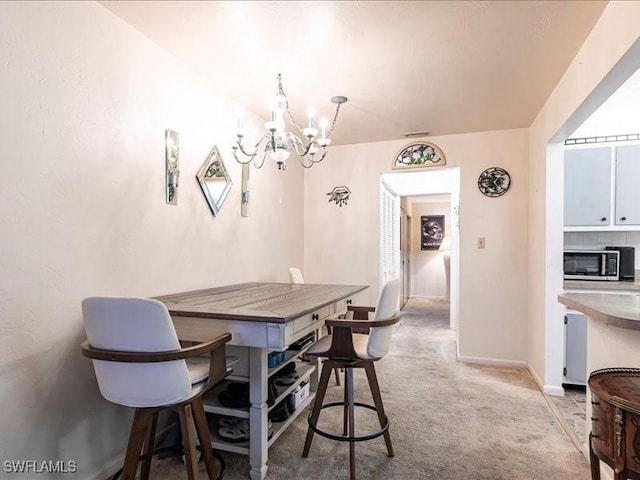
{"x": 481, "y": 242}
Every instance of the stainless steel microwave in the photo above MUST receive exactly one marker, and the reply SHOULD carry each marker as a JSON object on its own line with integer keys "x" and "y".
{"x": 592, "y": 265}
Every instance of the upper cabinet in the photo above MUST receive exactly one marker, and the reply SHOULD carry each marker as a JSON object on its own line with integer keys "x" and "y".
{"x": 592, "y": 198}
{"x": 628, "y": 185}
{"x": 587, "y": 187}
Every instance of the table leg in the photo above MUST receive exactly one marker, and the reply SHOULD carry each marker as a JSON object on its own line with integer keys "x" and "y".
{"x": 314, "y": 361}
{"x": 594, "y": 461}
{"x": 258, "y": 446}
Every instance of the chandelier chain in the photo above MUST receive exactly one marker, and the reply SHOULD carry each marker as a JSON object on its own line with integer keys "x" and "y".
{"x": 292, "y": 118}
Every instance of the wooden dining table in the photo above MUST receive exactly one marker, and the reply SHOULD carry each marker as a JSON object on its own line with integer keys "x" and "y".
{"x": 262, "y": 318}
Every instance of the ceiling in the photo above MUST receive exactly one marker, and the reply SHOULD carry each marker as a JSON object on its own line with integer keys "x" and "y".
{"x": 443, "y": 66}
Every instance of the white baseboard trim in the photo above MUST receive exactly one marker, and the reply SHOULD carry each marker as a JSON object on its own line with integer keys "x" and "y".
{"x": 496, "y": 362}
{"x": 535, "y": 377}
{"x": 554, "y": 390}
{"x": 432, "y": 297}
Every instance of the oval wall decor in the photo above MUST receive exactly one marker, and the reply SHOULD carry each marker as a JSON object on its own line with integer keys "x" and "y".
{"x": 419, "y": 155}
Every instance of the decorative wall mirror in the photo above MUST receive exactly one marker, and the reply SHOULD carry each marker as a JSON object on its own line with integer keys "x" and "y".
{"x": 214, "y": 180}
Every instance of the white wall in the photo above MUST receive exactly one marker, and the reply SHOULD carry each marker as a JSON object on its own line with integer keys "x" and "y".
{"x": 427, "y": 267}
{"x": 594, "y": 74}
{"x": 341, "y": 244}
{"x": 85, "y": 101}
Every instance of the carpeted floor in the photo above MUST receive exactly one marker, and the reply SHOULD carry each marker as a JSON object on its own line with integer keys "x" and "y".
{"x": 449, "y": 420}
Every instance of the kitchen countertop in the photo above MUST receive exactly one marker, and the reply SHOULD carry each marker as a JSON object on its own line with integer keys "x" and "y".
{"x": 601, "y": 285}
{"x": 617, "y": 310}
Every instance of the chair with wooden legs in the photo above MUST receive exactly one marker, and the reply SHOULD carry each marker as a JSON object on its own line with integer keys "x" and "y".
{"x": 138, "y": 362}
{"x": 295, "y": 276}
{"x": 349, "y": 350}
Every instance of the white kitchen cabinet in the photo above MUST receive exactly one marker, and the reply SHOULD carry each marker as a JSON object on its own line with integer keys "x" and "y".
{"x": 587, "y": 187}
{"x": 575, "y": 336}
{"x": 627, "y": 192}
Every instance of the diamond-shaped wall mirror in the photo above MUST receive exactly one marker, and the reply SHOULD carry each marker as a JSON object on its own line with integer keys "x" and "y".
{"x": 214, "y": 180}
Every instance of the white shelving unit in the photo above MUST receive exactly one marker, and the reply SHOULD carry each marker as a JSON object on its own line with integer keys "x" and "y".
{"x": 213, "y": 405}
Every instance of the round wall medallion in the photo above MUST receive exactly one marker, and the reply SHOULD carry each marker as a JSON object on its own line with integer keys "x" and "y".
{"x": 494, "y": 182}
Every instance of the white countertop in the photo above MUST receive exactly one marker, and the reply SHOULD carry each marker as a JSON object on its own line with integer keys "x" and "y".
{"x": 617, "y": 310}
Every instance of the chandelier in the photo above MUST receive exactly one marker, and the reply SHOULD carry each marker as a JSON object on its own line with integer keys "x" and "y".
{"x": 278, "y": 143}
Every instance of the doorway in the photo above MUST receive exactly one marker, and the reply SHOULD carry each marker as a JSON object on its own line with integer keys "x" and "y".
{"x": 610, "y": 110}
{"x": 428, "y": 272}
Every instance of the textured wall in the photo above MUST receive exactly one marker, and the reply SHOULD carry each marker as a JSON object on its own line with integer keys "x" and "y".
{"x": 343, "y": 243}
{"x": 85, "y": 101}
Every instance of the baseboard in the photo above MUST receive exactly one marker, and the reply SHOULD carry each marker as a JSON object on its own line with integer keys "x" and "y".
{"x": 535, "y": 377}
{"x": 431, "y": 297}
{"x": 548, "y": 389}
{"x": 496, "y": 362}
{"x": 553, "y": 390}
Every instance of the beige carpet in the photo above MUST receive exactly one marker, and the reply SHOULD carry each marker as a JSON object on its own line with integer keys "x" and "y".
{"x": 449, "y": 421}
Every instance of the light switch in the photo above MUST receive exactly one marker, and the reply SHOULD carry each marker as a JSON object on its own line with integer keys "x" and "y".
{"x": 481, "y": 242}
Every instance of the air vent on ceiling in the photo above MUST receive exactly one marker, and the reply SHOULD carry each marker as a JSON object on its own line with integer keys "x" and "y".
{"x": 416, "y": 134}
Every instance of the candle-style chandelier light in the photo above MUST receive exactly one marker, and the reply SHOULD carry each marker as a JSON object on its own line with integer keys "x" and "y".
{"x": 279, "y": 144}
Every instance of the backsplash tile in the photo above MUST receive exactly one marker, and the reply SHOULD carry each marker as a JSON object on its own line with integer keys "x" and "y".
{"x": 633, "y": 238}
{"x": 619, "y": 238}
{"x": 590, "y": 239}
{"x": 604, "y": 238}
{"x": 599, "y": 240}
{"x": 574, "y": 238}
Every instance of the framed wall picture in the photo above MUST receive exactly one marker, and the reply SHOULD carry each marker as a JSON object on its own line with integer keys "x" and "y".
{"x": 431, "y": 232}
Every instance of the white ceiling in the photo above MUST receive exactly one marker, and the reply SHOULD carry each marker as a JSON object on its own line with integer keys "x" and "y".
{"x": 443, "y": 66}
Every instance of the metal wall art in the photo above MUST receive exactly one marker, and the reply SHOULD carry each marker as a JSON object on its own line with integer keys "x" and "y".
{"x": 432, "y": 231}
{"x": 214, "y": 180}
{"x": 419, "y": 155}
{"x": 172, "y": 158}
{"x": 494, "y": 182}
{"x": 340, "y": 195}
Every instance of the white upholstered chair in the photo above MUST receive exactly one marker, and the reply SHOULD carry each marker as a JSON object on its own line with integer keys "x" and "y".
{"x": 138, "y": 362}
{"x": 346, "y": 349}
{"x": 295, "y": 275}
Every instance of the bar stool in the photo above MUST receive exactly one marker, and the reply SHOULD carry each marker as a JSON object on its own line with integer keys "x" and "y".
{"x": 138, "y": 363}
{"x": 349, "y": 350}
